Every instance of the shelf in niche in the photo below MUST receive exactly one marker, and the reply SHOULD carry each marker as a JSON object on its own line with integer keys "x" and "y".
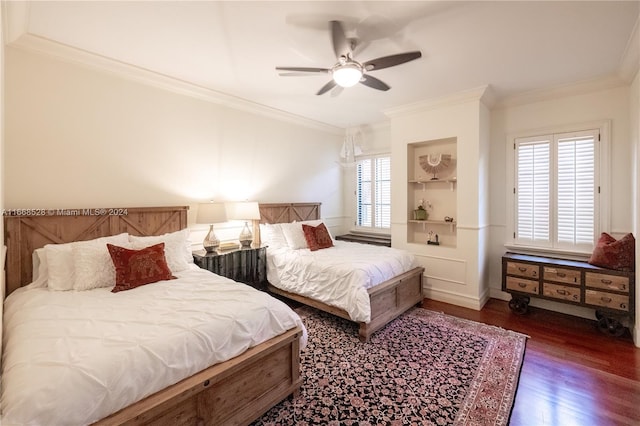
{"x": 434, "y": 222}
{"x": 451, "y": 182}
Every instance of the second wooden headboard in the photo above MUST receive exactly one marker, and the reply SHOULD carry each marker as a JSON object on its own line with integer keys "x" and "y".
{"x": 288, "y": 212}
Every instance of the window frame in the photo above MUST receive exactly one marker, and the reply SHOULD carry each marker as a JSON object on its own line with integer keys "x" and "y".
{"x": 371, "y": 229}
{"x": 602, "y": 182}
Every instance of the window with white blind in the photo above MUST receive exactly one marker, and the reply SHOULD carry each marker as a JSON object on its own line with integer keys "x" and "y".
{"x": 373, "y": 193}
{"x": 556, "y": 190}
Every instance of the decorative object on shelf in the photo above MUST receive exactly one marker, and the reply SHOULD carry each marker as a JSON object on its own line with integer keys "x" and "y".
{"x": 448, "y": 219}
{"x": 211, "y": 213}
{"x": 434, "y": 163}
{"x": 433, "y": 240}
{"x": 247, "y": 211}
{"x": 421, "y": 213}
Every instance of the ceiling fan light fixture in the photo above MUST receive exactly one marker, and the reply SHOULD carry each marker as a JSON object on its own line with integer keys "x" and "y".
{"x": 347, "y": 75}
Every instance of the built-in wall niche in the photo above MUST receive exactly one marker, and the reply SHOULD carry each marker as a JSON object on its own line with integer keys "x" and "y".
{"x": 431, "y": 182}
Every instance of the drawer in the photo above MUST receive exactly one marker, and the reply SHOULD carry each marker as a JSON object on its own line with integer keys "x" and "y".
{"x": 562, "y": 275}
{"x": 522, "y": 285}
{"x": 523, "y": 269}
{"x": 607, "y": 300}
{"x": 563, "y": 292}
{"x": 608, "y": 282}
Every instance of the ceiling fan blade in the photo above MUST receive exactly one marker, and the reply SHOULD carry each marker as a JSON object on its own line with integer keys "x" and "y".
{"x": 374, "y": 83}
{"x": 336, "y": 91}
{"x": 296, "y": 74}
{"x": 341, "y": 46}
{"x": 330, "y": 85}
{"x": 390, "y": 61}
{"x": 302, "y": 69}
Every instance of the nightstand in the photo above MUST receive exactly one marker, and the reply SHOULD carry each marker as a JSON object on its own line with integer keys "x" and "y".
{"x": 245, "y": 265}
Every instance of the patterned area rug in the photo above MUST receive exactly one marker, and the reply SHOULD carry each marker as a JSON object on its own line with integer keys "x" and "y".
{"x": 423, "y": 368}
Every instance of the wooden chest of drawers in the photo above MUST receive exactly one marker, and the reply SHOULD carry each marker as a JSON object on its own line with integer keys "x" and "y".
{"x": 611, "y": 293}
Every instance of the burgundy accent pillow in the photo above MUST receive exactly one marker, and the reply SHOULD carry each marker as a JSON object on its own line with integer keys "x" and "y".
{"x": 614, "y": 254}
{"x": 135, "y": 268}
{"x": 317, "y": 237}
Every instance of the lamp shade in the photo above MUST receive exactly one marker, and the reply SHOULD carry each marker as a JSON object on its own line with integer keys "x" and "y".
{"x": 248, "y": 210}
{"x": 211, "y": 213}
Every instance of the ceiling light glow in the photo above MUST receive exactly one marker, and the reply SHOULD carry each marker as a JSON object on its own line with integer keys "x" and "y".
{"x": 347, "y": 75}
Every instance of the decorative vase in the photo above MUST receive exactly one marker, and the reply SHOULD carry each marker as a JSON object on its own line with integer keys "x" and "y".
{"x": 420, "y": 214}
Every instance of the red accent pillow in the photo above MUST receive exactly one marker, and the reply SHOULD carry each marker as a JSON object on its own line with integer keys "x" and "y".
{"x": 317, "y": 237}
{"x": 135, "y": 268}
{"x": 614, "y": 254}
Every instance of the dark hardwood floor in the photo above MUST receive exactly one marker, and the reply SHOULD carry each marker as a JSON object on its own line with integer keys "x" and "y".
{"x": 572, "y": 373}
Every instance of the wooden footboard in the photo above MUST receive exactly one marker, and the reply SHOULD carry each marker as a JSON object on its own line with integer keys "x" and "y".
{"x": 388, "y": 300}
{"x": 234, "y": 392}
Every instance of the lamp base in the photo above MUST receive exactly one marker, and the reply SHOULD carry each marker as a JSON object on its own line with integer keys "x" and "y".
{"x": 211, "y": 241}
{"x": 246, "y": 237}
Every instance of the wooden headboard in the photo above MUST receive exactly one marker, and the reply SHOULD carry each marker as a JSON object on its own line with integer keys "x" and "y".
{"x": 288, "y": 212}
{"x": 25, "y": 233}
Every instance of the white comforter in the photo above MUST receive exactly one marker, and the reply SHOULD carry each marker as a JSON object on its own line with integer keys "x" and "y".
{"x": 72, "y": 358}
{"x": 338, "y": 276}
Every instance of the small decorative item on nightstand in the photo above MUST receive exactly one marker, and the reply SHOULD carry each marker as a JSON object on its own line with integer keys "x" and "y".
{"x": 248, "y": 266}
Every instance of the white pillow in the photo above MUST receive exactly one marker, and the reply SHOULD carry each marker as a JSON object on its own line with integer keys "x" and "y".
{"x": 60, "y": 261}
{"x": 93, "y": 267}
{"x": 177, "y": 248}
{"x": 40, "y": 270}
{"x": 271, "y": 235}
{"x": 294, "y": 235}
{"x": 39, "y": 264}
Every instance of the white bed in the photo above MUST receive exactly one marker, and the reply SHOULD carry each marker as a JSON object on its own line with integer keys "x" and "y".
{"x": 368, "y": 284}
{"x": 103, "y": 351}
{"x": 190, "y": 348}
{"x": 338, "y": 276}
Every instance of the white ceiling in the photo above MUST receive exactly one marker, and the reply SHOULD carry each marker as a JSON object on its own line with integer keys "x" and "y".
{"x": 234, "y": 47}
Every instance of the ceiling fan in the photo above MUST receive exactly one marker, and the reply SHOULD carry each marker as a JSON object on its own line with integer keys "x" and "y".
{"x": 347, "y": 71}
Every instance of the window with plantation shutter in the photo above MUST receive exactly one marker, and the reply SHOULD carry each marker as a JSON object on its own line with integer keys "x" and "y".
{"x": 373, "y": 193}
{"x": 556, "y": 190}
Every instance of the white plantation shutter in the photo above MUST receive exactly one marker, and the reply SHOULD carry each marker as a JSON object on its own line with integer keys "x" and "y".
{"x": 383, "y": 192}
{"x": 533, "y": 190}
{"x": 576, "y": 189}
{"x": 556, "y": 190}
{"x": 373, "y": 192}
{"x": 363, "y": 193}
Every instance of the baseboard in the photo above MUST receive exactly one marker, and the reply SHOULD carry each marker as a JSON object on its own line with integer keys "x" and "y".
{"x": 456, "y": 298}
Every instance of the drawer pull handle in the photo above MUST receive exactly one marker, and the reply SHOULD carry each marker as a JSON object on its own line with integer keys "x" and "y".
{"x": 561, "y": 291}
{"x": 606, "y": 299}
{"x": 562, "y": 274}
{"x": 521, "y": 268}
{"x": 603, "y": 281}
{"x": 522, "y": 285}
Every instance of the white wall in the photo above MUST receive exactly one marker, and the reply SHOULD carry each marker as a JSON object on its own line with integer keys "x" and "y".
{"x": 79, "y": 137}
{"x": 610, "y": 104}
{"x": 634, "y": 136}
{"x": 454, "y": 274}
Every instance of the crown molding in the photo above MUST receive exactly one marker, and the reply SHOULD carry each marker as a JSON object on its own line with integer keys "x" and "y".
{"x": 574, "y": 89}
{"x": 15, "y": 17}
{"x": 630, "y": 63}
{"x": 44, "y": 46}
{"x": 479, "y": 94}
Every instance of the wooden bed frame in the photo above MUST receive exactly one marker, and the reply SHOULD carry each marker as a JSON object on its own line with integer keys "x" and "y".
{"x": 236, "y": 391}
{"x": 388, "y": 300}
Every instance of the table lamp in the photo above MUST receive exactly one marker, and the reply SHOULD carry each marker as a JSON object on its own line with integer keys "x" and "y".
{"x": 248, "y": 210}
{"x": 211, "y": 213}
